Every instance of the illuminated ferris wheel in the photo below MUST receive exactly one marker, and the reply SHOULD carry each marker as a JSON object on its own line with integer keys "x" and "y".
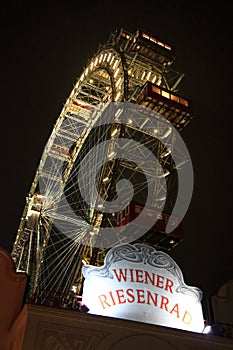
{"x": 59, "y": 227}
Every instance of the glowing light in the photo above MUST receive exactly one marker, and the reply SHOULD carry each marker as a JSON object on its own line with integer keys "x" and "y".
{"x": 74, "y": 289}
{"x": 114, "y": 132}
{"x": 115, "y": 64}
{"x": 118, "y": 112}
{"x": 118, "y": 96}
{"x": 154, "y": 79}
{"x": 159, "y": 81}
{"x": 112, "y": 154}
{"x": 167, "y": 133}
{"x": 165, "y": 94}
{"x": 207, "y": 329}
{"x": 167, "y": 172}
{"x": 116, "y": 72}
{"x": 161, "y": 198}
{"x": 165, "y": 154}
{"x": 101, "y": 57}
{"x": 33, "y": 212}
{"x": 148, "y": 76}
{"x": 118, "y": 82}
{"x": 40, "y": 196}
{"x": 109, "y": 56}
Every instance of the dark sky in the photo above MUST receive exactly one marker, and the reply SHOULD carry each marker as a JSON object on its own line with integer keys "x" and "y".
{"x": 44, "y": 47}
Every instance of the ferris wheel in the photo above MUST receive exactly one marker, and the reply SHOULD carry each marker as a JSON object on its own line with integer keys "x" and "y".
{"x": 124, "y": 86}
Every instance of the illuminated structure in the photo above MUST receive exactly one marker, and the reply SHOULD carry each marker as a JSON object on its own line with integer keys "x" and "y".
{"x": 130, "y": 67}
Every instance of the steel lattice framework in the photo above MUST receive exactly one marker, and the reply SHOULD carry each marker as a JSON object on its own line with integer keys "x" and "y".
{"x": 130, "y": 67}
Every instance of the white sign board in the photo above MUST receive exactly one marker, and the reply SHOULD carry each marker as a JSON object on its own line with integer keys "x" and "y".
{"x": 139, "y": 283}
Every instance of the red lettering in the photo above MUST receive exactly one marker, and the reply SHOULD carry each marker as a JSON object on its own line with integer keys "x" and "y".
{"x": 131, "y": 275}
{"x": 187, "y": 318}
{"x": 150, "y": 278}
{"x": 164, "y": 302}
{"x": 159, "y": 283}
{"x": 103, "y": 300}
{"x": 139, "y": 276}
{"x": 176, "y": 310}
{"x": 120, "y": 296}
{"x": 129, "y": 292}
{"x": 122, "y": 275}
{"x": 140, "y": 294}
{"x": 150, "y": 297}
{"x": 169, "y": 285}
{"x": 113, "y": 301}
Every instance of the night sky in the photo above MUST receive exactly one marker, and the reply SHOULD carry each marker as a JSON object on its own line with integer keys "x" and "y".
{"x": 44, "y": 48}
